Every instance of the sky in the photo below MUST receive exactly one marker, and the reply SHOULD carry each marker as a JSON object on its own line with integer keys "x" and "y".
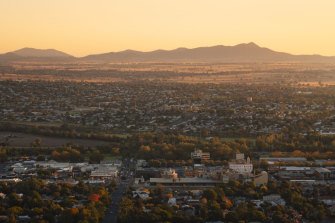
{"x": 82, "y": 27}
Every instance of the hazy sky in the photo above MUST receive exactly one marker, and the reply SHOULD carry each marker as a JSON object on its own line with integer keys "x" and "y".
{"x": 82, "y": 27}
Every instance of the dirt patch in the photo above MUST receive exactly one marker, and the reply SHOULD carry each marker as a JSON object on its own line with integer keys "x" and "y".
{"x": 16, "y": 139}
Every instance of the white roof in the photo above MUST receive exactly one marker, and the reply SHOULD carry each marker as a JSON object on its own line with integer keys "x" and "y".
{"x": 295, "y": 168}
{"x": 322, "y": 170}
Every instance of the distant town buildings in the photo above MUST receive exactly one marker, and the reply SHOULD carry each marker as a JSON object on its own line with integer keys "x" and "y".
{"x": 241, "y": 165}
{"x": 198, "y": 156}
{"x": 203, "y": 176}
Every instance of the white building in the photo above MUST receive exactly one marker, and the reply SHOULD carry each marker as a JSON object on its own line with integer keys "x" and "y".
{"x": 241, "y": 167}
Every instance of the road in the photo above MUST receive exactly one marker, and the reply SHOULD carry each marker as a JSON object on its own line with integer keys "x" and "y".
{"x": 4, "y": 167}
{"x": 112, "y": 210}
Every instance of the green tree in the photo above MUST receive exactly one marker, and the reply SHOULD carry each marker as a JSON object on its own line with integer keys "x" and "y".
{"x": 264, "y": 164}
{"x": 96, "y": 157}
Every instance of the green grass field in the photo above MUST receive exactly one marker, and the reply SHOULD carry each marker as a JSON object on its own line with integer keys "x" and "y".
{"x": 108, "y": 157}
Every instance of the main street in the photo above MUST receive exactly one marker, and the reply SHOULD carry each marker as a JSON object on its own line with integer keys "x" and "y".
{"x": 112, "y": 210}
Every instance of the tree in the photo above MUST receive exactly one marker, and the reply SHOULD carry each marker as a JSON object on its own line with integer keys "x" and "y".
{"x": 232, "y": 216}
{"x": 159, "y": 190}
{"x": 13, "y": 199}
{"x": 96, "y": 157}
{"x": 36, "y": 142}
{"x": 215, "y": 212}
{"x": 297, "y": 153}
{"x": 16, "y": 210}
{"x": 81, "y": 188}
{"x": 69, "y": 215}
{"x": 94, "y": 197}
{"x": 126, "y": 208}
{"x": 264, "y": 164}
{"x": 40, "y": 158}
{"x": 321, "y": 212}
{"x": 258, "y": 216}
{"x": 316, "y": 193}
{"x": 276, "y": 154}
{"x": 210, "y": 194}
{"x": 3, "y": 156}
{"x": 145, "y": 148}
{"x": 115, "y": 151}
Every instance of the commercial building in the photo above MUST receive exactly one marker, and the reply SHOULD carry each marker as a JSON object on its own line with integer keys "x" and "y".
{"x": 198, "y": 156}
{"x": 241, "y": 166}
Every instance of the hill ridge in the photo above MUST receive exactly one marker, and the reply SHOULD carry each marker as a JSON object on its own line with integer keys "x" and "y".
{"x": 240, "y": 53}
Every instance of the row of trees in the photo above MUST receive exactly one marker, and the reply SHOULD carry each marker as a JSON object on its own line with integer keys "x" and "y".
{"x": 53, "y": 202}
{"x": 166, "y": 150}
{"x": 308, "y": 143}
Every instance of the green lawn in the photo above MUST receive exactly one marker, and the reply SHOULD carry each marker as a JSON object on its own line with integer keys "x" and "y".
{"x": 108, "y": 157}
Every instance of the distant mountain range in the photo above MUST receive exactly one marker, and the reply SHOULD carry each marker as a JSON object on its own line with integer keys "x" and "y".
{"x": 241, "y": 53}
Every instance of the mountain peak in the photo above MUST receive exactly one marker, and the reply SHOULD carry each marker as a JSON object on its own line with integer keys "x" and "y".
{"x": 252, "y": 44}
{"x": 32, "y": 52}
{"x": 249, "y": 45}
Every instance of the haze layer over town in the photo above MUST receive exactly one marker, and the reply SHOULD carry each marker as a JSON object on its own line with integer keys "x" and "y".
{"x": 176, "y": 111}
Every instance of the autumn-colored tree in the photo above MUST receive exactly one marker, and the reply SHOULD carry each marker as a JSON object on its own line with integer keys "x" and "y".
{"x": 94, "y": 197}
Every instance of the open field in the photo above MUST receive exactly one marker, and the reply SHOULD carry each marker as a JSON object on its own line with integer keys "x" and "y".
{"x": 252, "y": 73}
{"x": 108, "y": 157}
{"x": 24, "y": 140}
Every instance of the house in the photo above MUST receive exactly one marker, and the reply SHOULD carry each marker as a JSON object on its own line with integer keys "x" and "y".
{"x": 142, "y": 193}
{"x": 271, "y": 197}
{"x": 322, "y": 173}
{"x": 274, "y": 199}
{"x": 24, "y": 218}
{"x": 20, "y": 170}
{"x": 328, "y": 200}
{"x": 172, "y": 201}
{"x": 141, "y": 163}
